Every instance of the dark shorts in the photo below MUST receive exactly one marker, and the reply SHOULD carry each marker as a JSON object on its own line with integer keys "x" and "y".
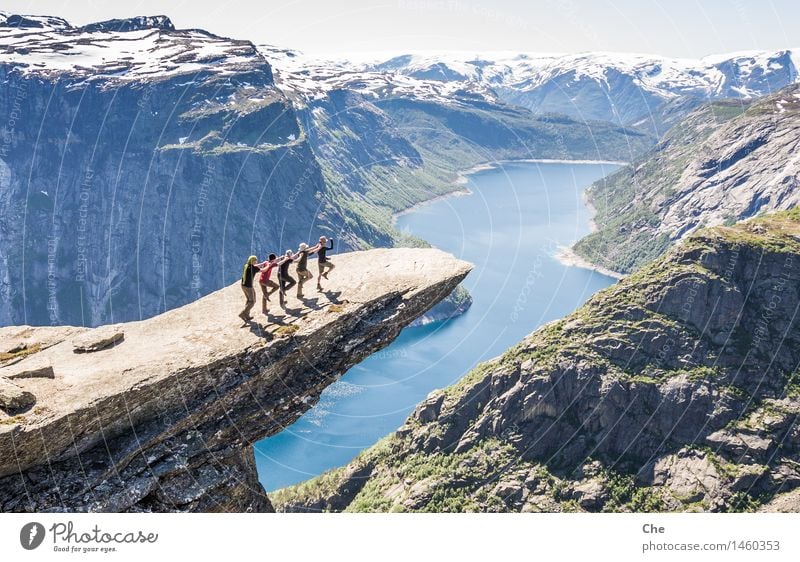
{"x": 286, "y": 281}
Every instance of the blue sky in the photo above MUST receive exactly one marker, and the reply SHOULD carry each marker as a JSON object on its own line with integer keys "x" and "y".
{"x": 682, "y": 28}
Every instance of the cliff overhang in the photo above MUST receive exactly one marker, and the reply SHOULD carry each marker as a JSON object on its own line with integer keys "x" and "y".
{"x": 164, "y": 417}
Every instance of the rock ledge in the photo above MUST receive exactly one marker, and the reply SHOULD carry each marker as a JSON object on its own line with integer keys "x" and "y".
{"x": 164, "y": 419}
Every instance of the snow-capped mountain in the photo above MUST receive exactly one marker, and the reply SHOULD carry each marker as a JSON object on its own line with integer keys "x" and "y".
{"x": 138, "y": 163}
{"x": 118, "y": 51}
{"x": 308, "y": 78}
{"x": 617, "y": 87}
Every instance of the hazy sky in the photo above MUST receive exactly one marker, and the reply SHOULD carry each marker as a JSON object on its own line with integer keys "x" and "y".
{"x": 684, "y": 28}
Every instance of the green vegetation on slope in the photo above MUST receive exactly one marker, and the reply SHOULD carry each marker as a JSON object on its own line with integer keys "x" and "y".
{"x": 638, "y": 401}
{"x": 627, "y": 202}
{"x": 384, "y": 157}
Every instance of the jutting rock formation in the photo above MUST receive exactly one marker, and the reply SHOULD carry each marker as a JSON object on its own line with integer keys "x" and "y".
{"x": 161, "y": 414}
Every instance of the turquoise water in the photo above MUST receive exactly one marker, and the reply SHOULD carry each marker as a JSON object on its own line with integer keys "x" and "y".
{"x": 511, "y": 227}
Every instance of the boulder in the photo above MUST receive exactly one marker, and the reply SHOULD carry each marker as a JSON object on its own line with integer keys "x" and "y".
{"x": 97, "y": 339}
{"x": 14, "y": 347}
{"x": 14, "y": 399}
{"x": 39, "y": 372}
{"x": 429, "y": 410}
{"x": 590, "y": 495}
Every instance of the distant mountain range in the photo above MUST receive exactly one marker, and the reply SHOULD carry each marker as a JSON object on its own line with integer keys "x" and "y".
{"x": 630, "y": 89}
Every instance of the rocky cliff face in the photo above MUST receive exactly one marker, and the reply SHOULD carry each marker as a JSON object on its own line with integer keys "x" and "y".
{"x": 674, "y": 390}
{"x": 160, "y": 415}
{"x": 723, "y": 163}
{"x": 135, "y": 156}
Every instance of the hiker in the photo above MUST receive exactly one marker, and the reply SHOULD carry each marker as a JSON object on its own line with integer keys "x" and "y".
{"x": 323, "y": 263}
{"x": 248, "y": 274}
{"x": 285, "y": 280}
{"x": 303, "y": 274}
{"x": 268, "y": 286}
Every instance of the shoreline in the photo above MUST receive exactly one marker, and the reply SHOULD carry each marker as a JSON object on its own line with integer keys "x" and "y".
{"x": 492, "y": 165}
{"x": 462, "y": 179}
{"x": 457, "y": 193}
{"x": 567, "y": 256}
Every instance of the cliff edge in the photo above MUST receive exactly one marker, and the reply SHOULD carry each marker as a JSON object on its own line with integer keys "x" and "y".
{"x": 160, "y": 414}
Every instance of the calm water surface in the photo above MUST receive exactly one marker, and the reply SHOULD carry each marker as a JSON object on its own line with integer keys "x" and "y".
{"x": 510, "y": 226}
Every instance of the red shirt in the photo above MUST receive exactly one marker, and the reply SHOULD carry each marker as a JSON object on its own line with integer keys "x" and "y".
{"x": 265, "y": 273}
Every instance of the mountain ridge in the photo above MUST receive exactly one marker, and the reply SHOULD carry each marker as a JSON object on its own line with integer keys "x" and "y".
{"x": 174, "y": 153}
{"x": 621, "y": 88}
{"x": 675, "y": 389}
{"x": 724, "y": 162}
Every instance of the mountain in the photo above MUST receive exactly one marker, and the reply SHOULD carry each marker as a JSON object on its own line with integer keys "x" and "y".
{"x": 140, "y": 163}
{"x": 161, "y": 415}
{"x": 629, "y": 89}
{"x": 674, "y": 390}
{"x": 724, "y": 162}
{"x": 428, "y": 127}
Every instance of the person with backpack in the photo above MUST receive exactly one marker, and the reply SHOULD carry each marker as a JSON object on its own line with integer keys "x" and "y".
{"x": 303, "y": 274}
{"x": 323, "y": 263}
{"x": 285, "y": 281}
{"x": 248, "y": 274}
{"x": 268, "y": 286}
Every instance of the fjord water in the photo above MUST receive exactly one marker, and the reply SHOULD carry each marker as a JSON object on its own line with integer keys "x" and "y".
{"x": 511, "y": 227}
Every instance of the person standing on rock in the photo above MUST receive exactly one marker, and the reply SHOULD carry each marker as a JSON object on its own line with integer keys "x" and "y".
{"x": 303, "y": 274}
{"x": 268, "y": 286}
{"x": 248, "y": 274}
{"x": 285, "y": 280}
{"x": 323, "y": 263}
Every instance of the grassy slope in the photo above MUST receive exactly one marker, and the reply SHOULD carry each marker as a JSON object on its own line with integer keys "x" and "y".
{"x": 431, "y": 143}
{"x": 624, "y": 200}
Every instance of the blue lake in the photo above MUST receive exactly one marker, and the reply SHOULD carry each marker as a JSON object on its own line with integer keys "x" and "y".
{"x": 511, "y": 227}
